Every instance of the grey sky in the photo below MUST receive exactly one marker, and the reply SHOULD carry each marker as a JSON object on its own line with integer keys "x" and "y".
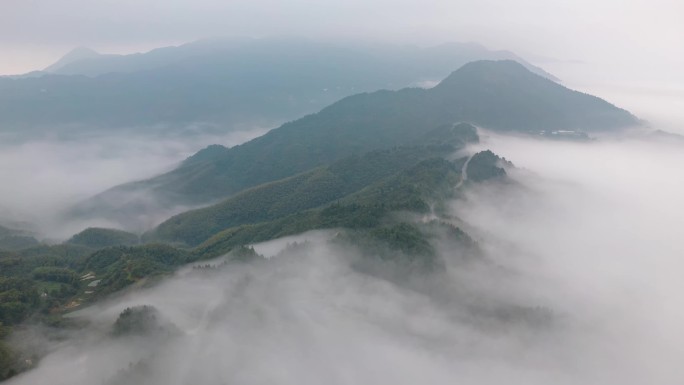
{"x": 640, "y": 34}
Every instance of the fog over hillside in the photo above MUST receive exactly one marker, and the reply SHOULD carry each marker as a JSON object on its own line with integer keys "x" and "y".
{"x": 44, "y": 175}
{"x": 579, "y": 283}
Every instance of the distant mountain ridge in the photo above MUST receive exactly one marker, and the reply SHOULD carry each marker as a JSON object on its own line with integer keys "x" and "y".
{"x": 102, "y": 64}
{"x": 500, "y": 95}
{"x": 84, "y": 61}
{"x": 218, "y": 83}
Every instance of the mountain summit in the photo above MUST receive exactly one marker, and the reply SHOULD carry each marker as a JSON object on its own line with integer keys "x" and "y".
{"x": 76, "y": 54}
{"x": 504, "y": 95}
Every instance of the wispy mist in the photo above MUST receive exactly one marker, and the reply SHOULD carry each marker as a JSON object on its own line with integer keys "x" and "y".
{"x": 595, "y": 233}
{"x": 578, "y": 283}
{"x": 45, "y": 175}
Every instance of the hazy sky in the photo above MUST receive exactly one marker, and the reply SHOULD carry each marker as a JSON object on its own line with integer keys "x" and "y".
{"x": 643, "y": 36}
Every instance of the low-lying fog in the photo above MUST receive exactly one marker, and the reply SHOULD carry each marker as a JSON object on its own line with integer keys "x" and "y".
{"x": 589, "y": 237}
{"x": 44, "y": 175}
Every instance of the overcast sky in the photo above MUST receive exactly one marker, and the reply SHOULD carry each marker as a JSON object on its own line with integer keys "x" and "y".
{"x": 643, "y": 36}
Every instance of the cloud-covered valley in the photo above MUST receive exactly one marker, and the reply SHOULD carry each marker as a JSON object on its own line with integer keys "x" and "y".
{"x": 577, "y": 282}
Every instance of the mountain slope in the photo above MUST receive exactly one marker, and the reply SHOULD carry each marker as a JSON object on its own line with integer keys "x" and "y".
{"x": 414, "y": 190}
{"x": 206, "y": 175}
{"x": 12, "y": 239}
{"x": 301, "y": 192}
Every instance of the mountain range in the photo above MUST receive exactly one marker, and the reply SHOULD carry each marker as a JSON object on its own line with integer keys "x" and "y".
{"x": 496, "y": 95}
{"x": 219, "y": 83}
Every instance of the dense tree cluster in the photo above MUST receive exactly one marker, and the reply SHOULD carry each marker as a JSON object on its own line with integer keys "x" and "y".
{"x": 98, "y": 237}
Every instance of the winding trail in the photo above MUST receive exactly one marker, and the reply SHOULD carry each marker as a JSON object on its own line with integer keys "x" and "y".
{"x": 464, "y": 173}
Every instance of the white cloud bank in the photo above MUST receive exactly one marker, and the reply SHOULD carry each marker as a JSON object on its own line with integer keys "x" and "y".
{"x": 591, "y": 234}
